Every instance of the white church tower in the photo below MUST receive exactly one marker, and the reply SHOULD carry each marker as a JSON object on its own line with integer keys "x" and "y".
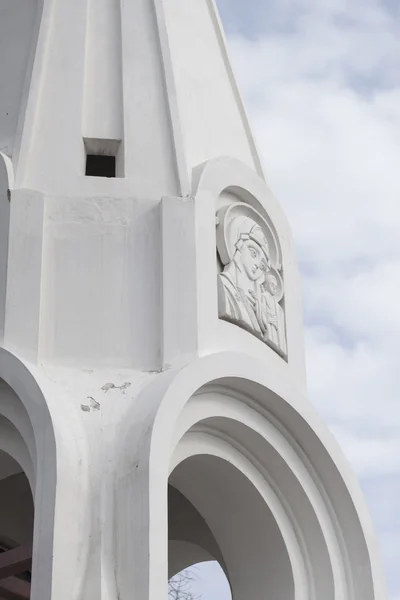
{"x": 152, "y": 380}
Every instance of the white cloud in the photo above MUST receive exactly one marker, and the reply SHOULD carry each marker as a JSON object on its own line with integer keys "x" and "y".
{"x": 210, "y": 582}
{"x": 371, "y": 456}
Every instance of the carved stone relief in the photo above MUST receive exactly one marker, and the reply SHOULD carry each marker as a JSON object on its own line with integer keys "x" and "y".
{"x": 250, "y": 286}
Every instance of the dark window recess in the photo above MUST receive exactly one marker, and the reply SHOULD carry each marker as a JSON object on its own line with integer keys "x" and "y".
{"x": 100, "y": 165}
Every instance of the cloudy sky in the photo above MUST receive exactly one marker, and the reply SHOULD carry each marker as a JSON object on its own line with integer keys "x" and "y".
{"x": 321, "y": 81}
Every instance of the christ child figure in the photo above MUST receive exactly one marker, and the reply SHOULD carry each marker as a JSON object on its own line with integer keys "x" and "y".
{"x": 272, "y": 315}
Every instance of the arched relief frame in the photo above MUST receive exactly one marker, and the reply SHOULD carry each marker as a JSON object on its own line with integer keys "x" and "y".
{"x": 250, "y": 280}
{"x": 219, "y": 182}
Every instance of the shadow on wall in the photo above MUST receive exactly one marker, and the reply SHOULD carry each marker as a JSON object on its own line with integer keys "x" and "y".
{"x": 16, "y": 530}
{"x": 192, "y": 552}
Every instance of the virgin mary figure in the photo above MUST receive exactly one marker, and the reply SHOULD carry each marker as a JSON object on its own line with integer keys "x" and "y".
{"x": 241, "y": 282}
{"x": 250, "y": 286}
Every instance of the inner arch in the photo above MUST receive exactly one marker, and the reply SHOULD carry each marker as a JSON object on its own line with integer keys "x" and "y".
{"x": 252, "y": 550}
{"x": 190, "y": 540}
{"x": 16, "y": 529}
{"x": 16, "y": 503}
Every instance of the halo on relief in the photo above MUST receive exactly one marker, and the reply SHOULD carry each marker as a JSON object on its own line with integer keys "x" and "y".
{"x": 279, "y": 281}
{"x": 235, "y": 219}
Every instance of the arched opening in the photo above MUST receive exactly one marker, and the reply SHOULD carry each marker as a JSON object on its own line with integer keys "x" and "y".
{"x": 18, "y": 475}
{"x": 196, "y": 567}
{"x": 215, "y": 513}
{"x": 262, "y": 472}
{"x": 16, "y": 529}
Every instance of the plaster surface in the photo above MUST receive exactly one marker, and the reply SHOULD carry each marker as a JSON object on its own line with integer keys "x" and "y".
{"x": 6, "y": 184}
{"x": 120, "y": 376}
{"x": 17, "y": 32}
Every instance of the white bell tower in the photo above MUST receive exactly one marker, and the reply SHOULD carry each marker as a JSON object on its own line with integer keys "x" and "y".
{"x": 152, "y": 378}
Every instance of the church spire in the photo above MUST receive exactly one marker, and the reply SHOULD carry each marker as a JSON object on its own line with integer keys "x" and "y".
{"x": 147, "y": 82}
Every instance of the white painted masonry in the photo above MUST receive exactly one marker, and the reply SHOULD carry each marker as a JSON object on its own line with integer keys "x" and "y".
{"x": 118, "y": 378}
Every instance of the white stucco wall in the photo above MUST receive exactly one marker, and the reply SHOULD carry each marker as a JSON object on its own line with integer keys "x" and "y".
{"x": 6, "y": 184}
{"x": 17, "y": 27}
{"x": 212, "y": 119}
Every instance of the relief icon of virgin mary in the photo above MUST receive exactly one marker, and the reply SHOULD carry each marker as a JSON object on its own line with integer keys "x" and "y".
{"x": 244, "y": 285}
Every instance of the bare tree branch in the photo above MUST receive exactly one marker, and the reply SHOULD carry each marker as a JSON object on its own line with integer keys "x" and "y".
{"x": 180, "y": 586}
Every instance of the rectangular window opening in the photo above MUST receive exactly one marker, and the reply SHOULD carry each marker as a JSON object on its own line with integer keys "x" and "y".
{"x": 100, "y": 165}
{"x": 103, "y": 157}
